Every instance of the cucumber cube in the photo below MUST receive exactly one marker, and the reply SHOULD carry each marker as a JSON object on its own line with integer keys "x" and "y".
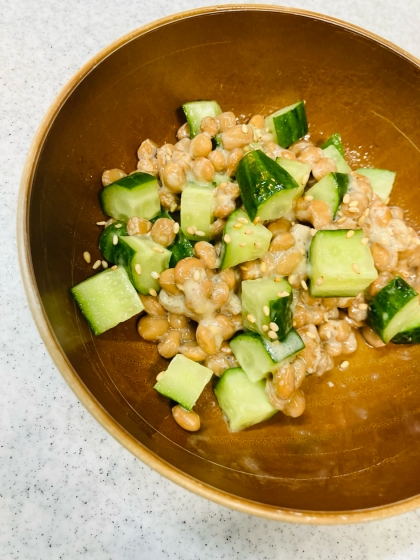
{"x": 341, "y": 266}
{"x": 299, "y": 171}
{"x": 334, "y": 140}
{"x": 197, "y": 204}
{"x": 183, "y": 381}
{"x": 106, "y": 240}
{"x": 243, "y": 403}
{"x": 267, "y": 189}
{"x": 141, "y": 251}
{"x": 257, "y": 357}
{"x": 134, "y": 195}
{"x": 331, "y": 190}
{"x": 262, "y": 304}
{"x": 394, "y": 310}
{"x": 288, "y": 124}
{"x": 341, "y": 164}
{"x": 381, "y": 181}
{"x": 106, "y": 299}
{"x": 244, "y": 243}
{"x": 195, "y": 111}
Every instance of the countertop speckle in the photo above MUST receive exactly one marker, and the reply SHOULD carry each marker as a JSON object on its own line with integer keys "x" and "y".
{"x": 67, "y": 489}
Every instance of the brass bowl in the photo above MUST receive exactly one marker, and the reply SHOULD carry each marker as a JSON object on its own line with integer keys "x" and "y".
{"x": 354, "y": 454}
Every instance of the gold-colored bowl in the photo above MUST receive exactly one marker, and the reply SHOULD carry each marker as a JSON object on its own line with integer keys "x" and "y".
{"x": 354, "y": 455}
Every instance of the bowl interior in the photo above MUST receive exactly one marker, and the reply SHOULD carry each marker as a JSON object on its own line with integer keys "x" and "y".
{"x": 357, "y": 445}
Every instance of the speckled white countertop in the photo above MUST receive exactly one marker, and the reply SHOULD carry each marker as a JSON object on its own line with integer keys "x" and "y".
{"x": 67, "y": 489}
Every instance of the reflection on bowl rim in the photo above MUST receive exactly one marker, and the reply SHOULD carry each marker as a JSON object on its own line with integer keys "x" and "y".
{"x": 41, "y": 320}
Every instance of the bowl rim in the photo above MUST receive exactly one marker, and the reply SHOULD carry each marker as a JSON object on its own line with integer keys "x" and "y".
{"x": 82, "y": 393}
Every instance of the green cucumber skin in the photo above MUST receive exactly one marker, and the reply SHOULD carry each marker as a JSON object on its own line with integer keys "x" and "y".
{"x": 180, "y": 249}
{"x": 334, "y": 140}
{"x": 259, "y": 178}
{"x": 387, "y": 303}
{"x": 281, "y": 313}
{"x": 106, "y": 240}
{"x": 291, "y": 125}
{"x": 331, "y": 189}
{"x": 129, "y": 183}
{"x": 407, "y": 337}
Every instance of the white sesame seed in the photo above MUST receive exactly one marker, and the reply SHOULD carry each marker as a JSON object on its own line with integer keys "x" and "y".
{"x": 344, "y": 365}
{"x": 356, "y": 268}
{"x": 265, "y": 328}
{"x": 304, "y": 285}
{"x": 200, "y": 233}
{"x": 319, "y": 281}
{"x": 364, "y": 241}
{"x": 341, "y": 220}
{"x": 154, "y": 274}
{"x": 227, "y": 238}
{"x": 353, "y": 209}
{"x": 244, "y": 128}
{"x": 263, "y": 267}
{"x": 190, "y": 230}
{"x": 96, "y": 265}
{"x": 257, "y": 244}
{"x": 226, "y": 350}
{"x": 118, "y": 226}
{"x": 152, "y": 292}
{"x": 160, "y": 375}
{"x": 354, "y": 203}
{"x": 311, "y": 335}
{"x": 100, "y": 223}
{"x": 104, "y": 264}
{"x": 367, "y": 212}
{"x": 272, "y": 334}
{"x": 266, "y": 311}
{"x": 274, "y": 327}
{"x": 361, "y": 220}
{"x": 138, "y": 269}
{"x": 330, "y": 384}
{"x": 242, "y": 244}
{"x": 328, "y": 335}
{"x": 238, "y": 225}
{"x": 256, "y": 220}
{"x": 363, "y": 306}
{"x": 115, "y": 239}
{"x": 283, "y": 294}
{"x": 346, "y": 198}
{"x": 196, "y": 275}
{"x": 175, "y": 227}
{"x": 173, "y": 207}
{"x": 86, "y": 256}
{"x": 350, "y": 233}
{"x": 242, "y": 220}
{"x": 308, "y": 197}
{"x": 292, "y": 279}
{"x": 251, "y": 318}
{"x": 114, "y": 267}
{"x": 249, "y": 231}
{"x": 158, "y": 249}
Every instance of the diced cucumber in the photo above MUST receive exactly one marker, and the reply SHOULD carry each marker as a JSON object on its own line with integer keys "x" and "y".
{"x": 411, "y": 331}
{"x": 268, "y": 190}
{"x": 180, "y": 249}
{"x": 381, "y": 181}
{"x": 106, "y": 299}
{"x": 197, "y": 204}
{"x": 299, "y": 171}
{"x": 257, "y": 357}
{"x": 341, "y": 164}
{"x": 394, "y": 309}
{"x": 243, "y": 403}
{"x": 262, "y": 305}
{"x": 195, "y": 111}
{"x": 288, "y": 124}
{"x": 183, "y": 381}
{"x": 331, "y": 190}
{"x": 247, "y": 242}
{"x": 134, "y": 195}
{"x": 139, "y": 253}
{"x": 340, "y": 266}
{"x": 334, "y": 140}
{"x": 106, "y": 240}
